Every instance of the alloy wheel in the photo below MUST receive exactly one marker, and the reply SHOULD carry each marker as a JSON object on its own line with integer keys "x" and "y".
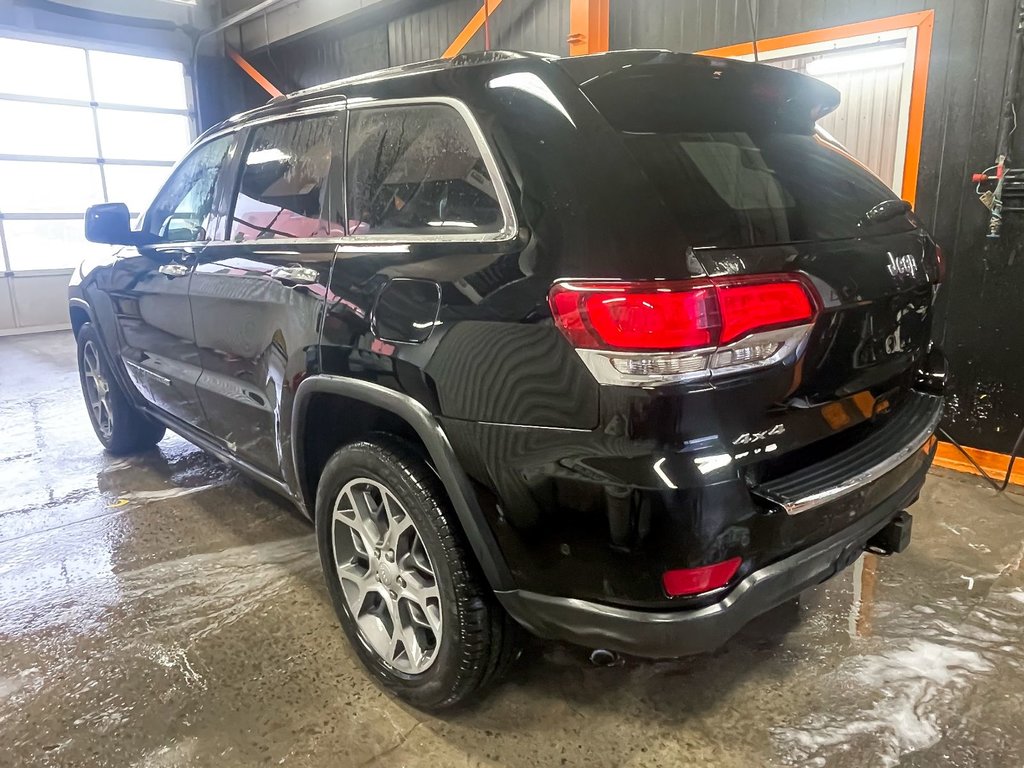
{"x": 97, "y": 390}
{"x": 386, "y": 576}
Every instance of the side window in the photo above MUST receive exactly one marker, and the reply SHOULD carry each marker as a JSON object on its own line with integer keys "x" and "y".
{"x": 284, "y": 180}
{"x": 181, "y": 212}
{"x": 417, "y": 170}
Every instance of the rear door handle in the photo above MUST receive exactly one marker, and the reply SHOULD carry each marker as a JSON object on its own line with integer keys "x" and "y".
{"x": 297, "y": 275}
{"x": 174, "y": 269}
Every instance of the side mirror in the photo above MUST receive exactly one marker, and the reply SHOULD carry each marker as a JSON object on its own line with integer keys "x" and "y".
{"x": 182, "y": 228}
{"x": 110, "y": 223}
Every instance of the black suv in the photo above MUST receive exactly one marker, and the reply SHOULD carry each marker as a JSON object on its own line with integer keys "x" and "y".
{"x": 620, "y": 349}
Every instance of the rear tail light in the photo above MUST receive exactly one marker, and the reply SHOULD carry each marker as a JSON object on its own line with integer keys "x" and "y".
{"x": 655, "y": 332}
{"x": 693, "y": 581}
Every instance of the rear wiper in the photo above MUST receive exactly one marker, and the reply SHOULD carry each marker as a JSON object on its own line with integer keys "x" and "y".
{"x": 885, "y": 210}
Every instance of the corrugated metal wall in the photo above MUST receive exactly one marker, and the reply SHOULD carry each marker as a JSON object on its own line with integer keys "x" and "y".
{"x": 320, "y": 57}
{"x": 691, "y": 25}
{"x": 331, "y": 53}
{"x": 425, "y": 34}
{"x": 867, "y": 119}
{"x": 532, "y": 25}
{"x": 524, "y": 25}
{"x": 332, "y": 57}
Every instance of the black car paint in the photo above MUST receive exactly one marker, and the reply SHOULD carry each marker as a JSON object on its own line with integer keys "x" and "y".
{"x": 552, "y": 475}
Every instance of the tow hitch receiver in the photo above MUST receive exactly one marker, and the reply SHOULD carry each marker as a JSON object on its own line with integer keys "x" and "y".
{"x": 894, "y": 538}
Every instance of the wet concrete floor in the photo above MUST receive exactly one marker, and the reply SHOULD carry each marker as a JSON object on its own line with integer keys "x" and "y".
{"x": 162, "y": 611}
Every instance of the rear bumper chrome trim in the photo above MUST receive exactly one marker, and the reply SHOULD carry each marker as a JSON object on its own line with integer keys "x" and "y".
{"x": 922, "y": 438}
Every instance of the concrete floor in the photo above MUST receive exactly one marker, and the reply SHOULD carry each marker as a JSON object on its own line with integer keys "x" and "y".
{"x": 162, "y": 611}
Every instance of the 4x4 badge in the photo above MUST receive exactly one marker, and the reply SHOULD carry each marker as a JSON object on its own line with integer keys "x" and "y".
{"x": 755, "y": 437}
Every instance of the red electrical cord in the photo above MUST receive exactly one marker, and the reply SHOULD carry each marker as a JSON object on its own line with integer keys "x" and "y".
{"x": 487, "y": 25}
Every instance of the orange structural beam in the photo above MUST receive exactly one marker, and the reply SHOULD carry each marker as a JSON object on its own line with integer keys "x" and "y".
{"x": 254, "y": 73}
{"x": 472, "y": 27}
{"x": 588, "y": 27}
{"x": 923, "y": 21}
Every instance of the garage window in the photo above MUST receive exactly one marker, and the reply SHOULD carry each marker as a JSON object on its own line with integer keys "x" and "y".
{"x": 80, "y": 126}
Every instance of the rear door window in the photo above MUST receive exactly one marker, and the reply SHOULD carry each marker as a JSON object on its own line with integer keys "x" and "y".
{"x": 735, "y": 156}
{"x": 283, "y": 190}
{"x": 417, "y": 170}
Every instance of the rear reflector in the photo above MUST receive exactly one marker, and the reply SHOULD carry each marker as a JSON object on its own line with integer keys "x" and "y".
{"x": 673, "y": 316}
{"x": 693, "y": 581}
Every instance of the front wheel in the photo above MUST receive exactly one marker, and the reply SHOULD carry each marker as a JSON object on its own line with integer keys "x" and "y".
{"x": 119, "y": 425}
{"x": 406, "y": 590}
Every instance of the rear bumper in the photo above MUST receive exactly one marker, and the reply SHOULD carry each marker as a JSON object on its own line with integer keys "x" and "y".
{"x": 667, "y": 634}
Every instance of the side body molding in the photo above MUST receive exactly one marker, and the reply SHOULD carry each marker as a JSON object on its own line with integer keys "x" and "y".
{"x": 456, "y": 483}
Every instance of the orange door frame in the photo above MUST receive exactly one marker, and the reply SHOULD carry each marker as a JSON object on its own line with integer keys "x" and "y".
{"x": 923, "y": 21}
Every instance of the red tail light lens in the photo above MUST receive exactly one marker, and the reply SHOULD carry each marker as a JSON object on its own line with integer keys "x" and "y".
{"x": 676, "y": 316}
{"x": 693, "y": 581}
{"x": 635, "y": 315}
{"x": 753, "y": 307}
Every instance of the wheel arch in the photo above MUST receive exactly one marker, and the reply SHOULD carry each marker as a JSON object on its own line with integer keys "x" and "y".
{"x": 401, "y": 413}
{"x": 80, "y": 313}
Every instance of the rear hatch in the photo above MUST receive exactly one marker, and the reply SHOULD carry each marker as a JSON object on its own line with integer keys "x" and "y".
{"x": 734, "y": 155}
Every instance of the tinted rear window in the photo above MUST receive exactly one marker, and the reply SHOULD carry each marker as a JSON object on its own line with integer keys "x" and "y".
{"x": 417, "y": 170}
{"x": 735, "y": 156}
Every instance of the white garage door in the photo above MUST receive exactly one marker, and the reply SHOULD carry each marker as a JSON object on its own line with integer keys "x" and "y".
{"x": 77, "y": 126}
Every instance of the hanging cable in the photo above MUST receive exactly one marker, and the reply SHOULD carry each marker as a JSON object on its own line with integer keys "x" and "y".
{"x": 999, "y": 487}
{"x": 270, "y": 56}
{"x": 753, "y": 28}
{"x": 487, "y": 25}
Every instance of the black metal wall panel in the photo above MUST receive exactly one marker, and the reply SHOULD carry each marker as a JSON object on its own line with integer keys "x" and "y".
{"x": 322, "y": 56}
{"x": 691, "y": 25}
{"x": 970, "y": 43}
{"x": 532, "y": 25}
{"x": 427, "y": 33}
{"x": 525, "y": 25}
{"x": 330, "y": 53}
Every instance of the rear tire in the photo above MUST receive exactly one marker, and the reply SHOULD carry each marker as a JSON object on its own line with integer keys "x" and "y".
{"x": 119, "y": 425}
{"x": 398, "y": 573}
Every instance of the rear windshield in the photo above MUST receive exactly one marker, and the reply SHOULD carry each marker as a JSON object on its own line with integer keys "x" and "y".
{"x": 735, "y": 155}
